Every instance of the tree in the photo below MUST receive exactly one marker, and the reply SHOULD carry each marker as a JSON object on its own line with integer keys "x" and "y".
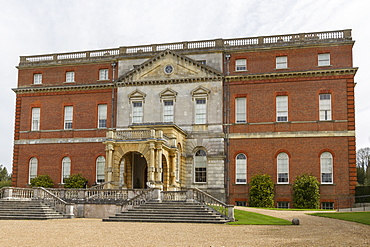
{"x": 363, "y": 166}
{"x": 306, "y": 192}
{"x": 42, "y": 181}
{"x": 5, "y": 178}
{"x": 75, "y": 181}
{"x": 261, "y": 192}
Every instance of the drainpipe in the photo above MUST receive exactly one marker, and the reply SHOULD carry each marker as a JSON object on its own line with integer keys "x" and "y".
{"x": 114, "y": 64}
{"x": 226, "y": 128}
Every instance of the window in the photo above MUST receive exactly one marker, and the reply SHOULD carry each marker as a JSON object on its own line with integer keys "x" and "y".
{"x": 241, "y": 110}
{"x": 241, "y": 64}
{"x": 70, "y": 76}
{"x": 100, "y": 166}
{"x": 283, "y": 168}
{"x": 324, "y": 59}
{"x": 33, "y": 168}
{"x": 281, "y": 108}
{"x": 37, "y": 79}
{"x": 103, "y": 74}
{"x": 241, "y": 169}
{"x": 326, "y": 161}
{"x": 168, "y": 111}
{"x": 68, "y": 117}
{"x": 200, "y": 166}
{"x": 327, "y": 205}
{"x": 102, "y": 116}
{"x": 137, "y": 112}
{"x": 281, "y": 62}
{"x": 35, "y": 125}
{"x": 240, "y": 203}
{"x": 66, "y": 168}
{"x": 200, "y": 111}
{"x": 325, "y": 107}
{"x": 282, "y": 204}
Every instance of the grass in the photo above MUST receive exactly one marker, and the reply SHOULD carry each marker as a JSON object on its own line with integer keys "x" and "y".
{"x": 249, "y": 218}
{"x": 299, "y": 209}
{"x": 359, "y": 217}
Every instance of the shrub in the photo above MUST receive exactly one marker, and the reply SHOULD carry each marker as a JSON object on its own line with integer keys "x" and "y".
{"x": 7, "y": 183}
{"x": 75, "y": 181}
{"x": 42, "y": 181}
{"x": 261, "y": 192}
{"x": 306, "y": 192}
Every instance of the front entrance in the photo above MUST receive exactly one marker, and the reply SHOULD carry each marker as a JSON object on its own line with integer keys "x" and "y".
{"x": 140, "y": 171}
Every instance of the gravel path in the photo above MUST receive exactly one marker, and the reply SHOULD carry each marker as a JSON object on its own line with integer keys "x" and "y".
{"x": 313, "y": 231}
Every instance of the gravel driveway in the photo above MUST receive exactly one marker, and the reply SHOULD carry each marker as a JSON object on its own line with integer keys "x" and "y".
{"x": 313, "y": 231}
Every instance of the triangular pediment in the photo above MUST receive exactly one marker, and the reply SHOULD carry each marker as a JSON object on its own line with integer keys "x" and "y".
{"x": 169, "y": 66}
{"x": 168, "y": 93}
{"x": 200, "y": 92}
{"x": 136, "y": 95}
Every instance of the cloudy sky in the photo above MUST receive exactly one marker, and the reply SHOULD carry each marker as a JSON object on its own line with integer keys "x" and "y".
{"x": 54, "y": 26}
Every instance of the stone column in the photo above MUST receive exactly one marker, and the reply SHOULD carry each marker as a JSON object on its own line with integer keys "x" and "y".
{"x": 151, "y": 168}
{"x": 109, "y": 164}
{"x": 173, "y": 169}
{"x": 159, "y": 166}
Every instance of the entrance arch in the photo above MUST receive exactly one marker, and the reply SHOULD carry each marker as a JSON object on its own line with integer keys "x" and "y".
{"x": 133, "y": 171}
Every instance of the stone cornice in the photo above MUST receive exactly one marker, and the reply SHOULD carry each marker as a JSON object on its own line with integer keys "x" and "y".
{"x": 297, "y": 134}
{"x": 292, "y": 74}
{"x": 169, "y": 81}
{"x": 60, "y": 88}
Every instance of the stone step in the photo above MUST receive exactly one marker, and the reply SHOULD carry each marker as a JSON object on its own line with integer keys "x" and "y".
{"x": 165, "y": 220}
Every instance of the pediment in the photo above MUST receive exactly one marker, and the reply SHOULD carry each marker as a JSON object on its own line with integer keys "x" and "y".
{"x": 169, "y": 66}
{"x": 136, "y": 95}
{"x": 168, "y": 93}
{"x": 200, "y": 92}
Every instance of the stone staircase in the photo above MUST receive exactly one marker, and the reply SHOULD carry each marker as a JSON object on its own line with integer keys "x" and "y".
{"x": 175, "y": 212}
{"x": 26, "y": 210}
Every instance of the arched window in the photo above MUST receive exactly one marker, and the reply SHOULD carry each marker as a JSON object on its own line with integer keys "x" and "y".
{"x": 241, "y": 169}
{"x": 200, "y": 164}
{"x": 326, "y": 164}
{"x": 283, "y": 168}
{"x": 33, "y": 168}
{"x": 66, "y": 168}
{"x": 100, "y": 166}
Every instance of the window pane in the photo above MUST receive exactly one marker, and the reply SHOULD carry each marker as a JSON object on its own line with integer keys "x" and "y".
{"x": 281, "y": 108}
{"x": 326, "y": 161}
{"x": 283, "y": 168}
{"x": 200, "y": 111}
{"x": 70, "y": 76}
{"x": 241, "y": 168}
{"x": 33, "y": 168}
{"x": 241, "y": 110}
{"x": 325, "y": 106}
{"x": 168, "y": 111}
{"x": 100, "y": 166}
{"x": 37, "y": 79}
{"x": 102, "y": 116}
{"x": 241, "y": 64}
{"x": 324, "y": 59}
{"x": 66, "y": 168}
{"x": 68, "y": 117}
{"x": 103, "y": 74}
{"x": 35, "y": 119}
{"x": 200, "y": 160}
{"x": 137, "y": 112}
{"x": 282, "y": 62}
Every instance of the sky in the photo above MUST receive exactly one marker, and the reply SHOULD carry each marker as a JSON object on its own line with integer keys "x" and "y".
{"x": 54, "y": 26}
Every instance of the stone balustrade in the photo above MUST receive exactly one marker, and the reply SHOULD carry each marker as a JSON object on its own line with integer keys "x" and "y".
{"x": 217, "y": 44}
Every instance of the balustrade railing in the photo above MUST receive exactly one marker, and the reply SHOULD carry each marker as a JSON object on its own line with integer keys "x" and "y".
{"x": 142, "y": 198}
{"x": 331, "y": 36}
{"x": 55, "y": 202}
{"x": 170, "y": 196}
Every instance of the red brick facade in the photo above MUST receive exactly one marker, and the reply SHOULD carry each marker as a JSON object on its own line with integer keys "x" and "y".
{"x": 303, "y": 136}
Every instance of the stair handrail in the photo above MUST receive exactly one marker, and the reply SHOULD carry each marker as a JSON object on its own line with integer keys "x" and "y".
{"x": 213, "y": 203}
{"x": 100, "y": 186}
{"x": 55, "y": 202}
{"x": 140, "y": 199}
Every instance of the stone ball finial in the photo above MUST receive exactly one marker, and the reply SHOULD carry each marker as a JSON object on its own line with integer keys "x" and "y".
{"x": 295, "y": 221}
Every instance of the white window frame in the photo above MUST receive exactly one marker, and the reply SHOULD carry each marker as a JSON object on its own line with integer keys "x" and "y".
{"x": 326, "y": 168}
{"x": 37, "y": 78}
{"x": 282, "y": 168}
{"x": 137, "y": 111}
{"x": 68, "y": 117}
{"x": 241, "y": 64}
{"x": 66, "y": 169}
{"x": 241, "y": 110}
{"x": 200, "y": 166}
{"x": 35, "y": 121}
{"x": 323, "y": 59}
{"x": 100, "y": 170}
{"x": 325, "y": 107}
{"x": 241, "y": 169}
{"x": 102, "y": 116}
{"x": 200, "y": 110}
{"x": 103, "y": 75}
{"x": 281, "y": 62}
{"x": 168, "y": 111}
{"x": 70, "y": 76}
{"x": 33, "y": 164}
{"x": 282, "y": 108}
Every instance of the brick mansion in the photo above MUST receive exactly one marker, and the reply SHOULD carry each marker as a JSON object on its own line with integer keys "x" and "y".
{"x": 206, "y": 114}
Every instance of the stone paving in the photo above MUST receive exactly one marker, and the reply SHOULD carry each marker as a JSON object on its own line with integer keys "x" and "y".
{"x": 312, "y": 231}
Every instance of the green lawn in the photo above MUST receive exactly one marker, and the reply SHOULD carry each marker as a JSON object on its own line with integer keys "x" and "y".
{"x": 359, "y": 217}
{"x": 249, "y": 218}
